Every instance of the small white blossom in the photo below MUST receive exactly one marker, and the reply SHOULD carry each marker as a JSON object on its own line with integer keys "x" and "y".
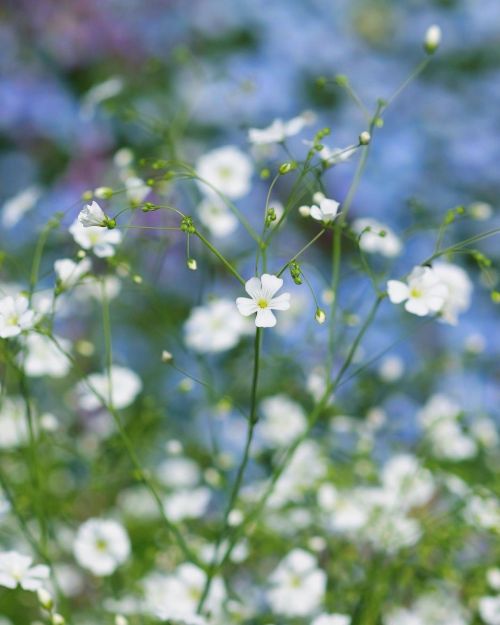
{"x": 187, "y": 504}
{"x": 93, "y": 215}
{"x": 100, "y": 240}
{"x": 42, "y": 356}
{"x": 459, "y": 293}
{"x": 69, "y": 272}
{"x": 137, "y": 190}
{"x": 262, "y": 301}
{"x": 432, "y": 38}
{"x": 227, "y": 169}
{"x": 323, "y": 209}
{"x": 215, "y": 216}
{"x": 125, "y": 386}
{"x": 376, "y": 237}
{"x": 101, "y": 546}
{"x": 15, "y": 316}
{"x": 424, "y": 293}
{"x": 215, "y": 327}
{"x": 16, "y": 570}
{"x": 279, "y": 130}
{"x": 283, "y": 420}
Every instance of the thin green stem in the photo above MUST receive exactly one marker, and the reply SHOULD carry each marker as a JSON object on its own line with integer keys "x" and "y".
{"x": 301, "y": 251}
{"x": 223, "y": 260}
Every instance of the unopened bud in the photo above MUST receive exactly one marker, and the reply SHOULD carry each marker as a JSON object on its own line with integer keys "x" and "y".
{"x": 365, "y": 138}
{"x": 58, "y": 619}
{"x": 320, "y": 316}
{"x": 432, "y": 39}
{"x": 120, "y": 620}
{"x": 287, "y": 167}
{"x": 45, "y": 599}
{"x": 103, "y": 193}
{"x": 304, "y": 211}
{"x": 192, "y": 264}
{"x": 166, "y": 356}
{"x": 137, "y": 279}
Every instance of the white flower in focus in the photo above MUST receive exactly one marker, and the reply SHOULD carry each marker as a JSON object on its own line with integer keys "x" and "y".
{"x": 42, "y": 357}
{"x": 137, "y": 190}
{"x": 16, "y": 570}
{"x": 262, "y": 300}
{"x": 16, "y": 207}
{"x": 459, "y": 290}
{"x": 93, "y": 215}
{"x": 215, "y": 216}
{"x": 297, "y": 585}
{"x": 101, "y": 546}
{"x": 280, "y": 130}
{"x": 332, "y": 619}
{"x": 283, "y": 420}
{"x": 69, "y": 272}
{"x": 376, "y": 237}
{"x": 323, "y": 209}
{"x": 215, "y": 327}
{"x": 125, "y": 386}
{"x": 15, "y": 316}
{"x": 423, "y": 294}
{"x": 13, "y": 424}
{"x": 227, "y": 169}
{"x": 489, "y": 610}
{"x": 100, "y": 240}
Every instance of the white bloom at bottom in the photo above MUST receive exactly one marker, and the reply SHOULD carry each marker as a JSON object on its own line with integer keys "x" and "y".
{"x": 101, "y": 546}
{"x": 15, "y": 316}
{"x": 423, "y": 293}
{"x": 489, "y": 610}
{"x": 16, "y": 570}
{"x": 298, "y": 585}
{"x": 262, "y": 300}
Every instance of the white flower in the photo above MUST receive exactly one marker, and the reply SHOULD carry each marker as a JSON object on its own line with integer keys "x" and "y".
{"x": 424, "y": 292}
{"x": 215, "y": 216}
{"x": 376, "y": 237}
{"x": 407, "y": 481}
{"x": 332, "y": 619}
{"x": 179, "y": 473}
{"x": 13, "y": 424}
{"x": 391, "y": 368}
{"x": 69, "y": 272}
{"x": 16, "y": 570}
{"x": 101, "y": 546}
{"x": 459, "y": 290}
{"x": 137, "y": 190}
{"x": 262, "y": 300}
{"x": 489, "y": 610}
{"x": 187, "y": 504}
{"x": 323, "y": 209}
{"x": 125, "y": 386}
{"x": 175, "y": 597}
{"x": 92, "y": 215}
{"x": 15, "y": 316}
{"x": 297, "y": 585}
{"x": 99, "y": 240}
{"x": 279, "y": 130}
{"x": 483, "y": 512}
{"x": 283, "y": 420}
{"x": 493, "y": 578}
{"x": 227, "y": 169}
{"x": 432, "y": 38}
{"x": 335, "y": 156}
{"x": 215, "y": 327}
{"x": 435, "y": 608}
{"x": 16, "y": 207}
{"x": 42, "y": 357}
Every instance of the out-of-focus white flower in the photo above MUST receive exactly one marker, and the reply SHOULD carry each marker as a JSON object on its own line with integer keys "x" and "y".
{"x": 297, "y": 585}
{"x": 100, "y": 240}
{"x": 376, "y": 237}
{"x": 17, "y": 570}
{"x": 179, "y": 472}
{"x": 280, "y": 130}
{"x": 283, "y": 420}
{"x": 262, "y": 301}
{"x": 481, "y": 211}
{"x": 137, "y": 190}
{"x": 432, "y": 38}
{"x": 101, "y": 546}
{"x": 69, "y": 272}
{"x": 336, "y": 156}
{"x": 15, "y": 316}
{"x": 391, "y": 368}
{"x": 485, "y": 431}
{"x": 187, "y": 504}
{"x": 42, "y": 357}
{"x": 215, "y": 327}
{"x": 227, "y": 169}
{"x": 489, "y": 610}
{"x": 13, "y": 425}
{"x": 217, "y": 217}
{"x": 175, "y": 597}
{"x": 493, "y": 578}
{"x": 423, "y": 294}
{"x": 347, "y": 512}
{"x": 125, "y": 386}
{"x": 459, "y": 293}
{"x": 332, "y": 619}
{"x": 433, "y": 608}
{"x": 323, "y": 209}
{"x": 407, "y": 481}
{"x": 93, "y": 215}
{"x": 483, "y": 512}
{"x": 16, "y": 207}
{"x": 99, "y": 93}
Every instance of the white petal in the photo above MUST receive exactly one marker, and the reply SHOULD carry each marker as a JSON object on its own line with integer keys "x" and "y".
{"x": 397, "y": 291}
{"x": 270, "y": 285}
{"x": 417, "y": 307}
{"x": 253, "y": 288}
{"x": 282, "y": 302}
{"x": 265, "y": 318}
{"x": 246, "y": 306}
{"x": 316, "y": 213}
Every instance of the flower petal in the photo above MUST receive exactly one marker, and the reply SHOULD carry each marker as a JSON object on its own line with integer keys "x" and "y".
{"x": 265, "y": 318}
{"x": 270, "y": 285}
{"x": 282, "y": 302}
{"x": 253, "y": 288}
{"x": 316, "y": 213}
{"x": 246, "y": 306}
{"x": 417, "y": 307}
{"x": 397, "y": 291}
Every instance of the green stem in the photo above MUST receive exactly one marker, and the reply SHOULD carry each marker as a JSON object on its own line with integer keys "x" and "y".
{"x": 223, "y": 260}
{"x": 301, "y": 251}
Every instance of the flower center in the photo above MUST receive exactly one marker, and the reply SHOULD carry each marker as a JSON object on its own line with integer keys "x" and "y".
{"x": 262, "y": 303}
{"x": 101, "y": 544}
{"x": 225, "y": 172}
{"x": 414, "y": 292}
{"x": 13, "y": 320}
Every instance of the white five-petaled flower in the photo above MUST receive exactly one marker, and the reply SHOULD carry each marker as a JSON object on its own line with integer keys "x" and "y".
{"x": 101, "y": 546}
{"x": 15, "y": 316}
{"x": 423, "y": 293}
{"x": 262, "y": 300}
{"x": 323, "y": 209}
{"x": 16, "y": 570}
{"x": 93, "y": 215}
{"x": 227, "y": 170}
{"x": 279, "y": 130}
{"x": 96, "y": 238}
